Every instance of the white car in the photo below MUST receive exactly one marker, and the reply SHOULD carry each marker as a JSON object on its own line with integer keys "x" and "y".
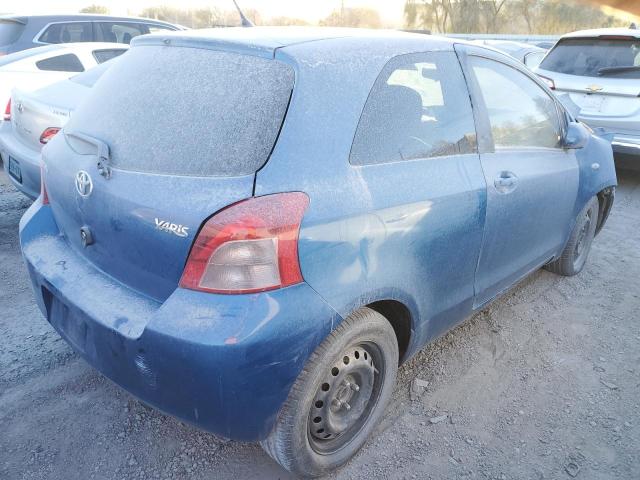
{"x": 36, "y": 67}
{"x": 596, "y": 75}
{"x": 35, "y": 118}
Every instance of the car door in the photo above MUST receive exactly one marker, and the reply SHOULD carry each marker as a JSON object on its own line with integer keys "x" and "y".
{"x": 532, "y": 182}
{"x": 411, "y": 228}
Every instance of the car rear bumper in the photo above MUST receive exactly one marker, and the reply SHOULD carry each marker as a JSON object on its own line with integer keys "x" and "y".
{"x": 626, "y": 144}
{"x": 28, "y": 160}
{"x": 222, "y": 362}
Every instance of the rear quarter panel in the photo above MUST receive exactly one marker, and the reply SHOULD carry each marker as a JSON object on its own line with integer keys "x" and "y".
{"x": 410, "y": 232}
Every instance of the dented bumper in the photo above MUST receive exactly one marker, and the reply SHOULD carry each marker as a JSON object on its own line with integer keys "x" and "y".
{"x": 222, "y": 362}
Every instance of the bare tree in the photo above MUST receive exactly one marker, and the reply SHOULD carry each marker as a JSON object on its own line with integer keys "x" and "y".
{"x": 353, "y": 17}
{"x": 508, "y": 16}
{"x": 101, "y": 9}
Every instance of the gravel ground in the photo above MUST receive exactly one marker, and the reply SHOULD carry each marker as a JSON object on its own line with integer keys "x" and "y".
{"x": 544, "y": 383}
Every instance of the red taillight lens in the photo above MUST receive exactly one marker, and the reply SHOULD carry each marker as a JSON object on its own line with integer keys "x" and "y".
{"x": 250, "y": 246}
{"x": 43, "y": 189}
{"x": 48, "y": 134}
{"x": 7, "y": 112}
{"x": 550, "y": 83}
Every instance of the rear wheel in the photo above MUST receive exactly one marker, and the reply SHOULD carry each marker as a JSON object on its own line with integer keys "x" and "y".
{"x": 338, "y": 398}
{"x": 575, "y": 253}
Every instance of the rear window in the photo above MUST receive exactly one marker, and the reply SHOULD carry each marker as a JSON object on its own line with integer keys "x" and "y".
{"x": 595, "y": 57}
{"x": 91, "y": 76}
{"x": 188, "y": 111}
{"x": 62, "y": 63}
{"x": 9, "y": 31}
{"x": 104, "y": 55}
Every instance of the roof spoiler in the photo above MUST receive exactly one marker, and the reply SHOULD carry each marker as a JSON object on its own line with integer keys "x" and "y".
{"x": 245, "y": 21}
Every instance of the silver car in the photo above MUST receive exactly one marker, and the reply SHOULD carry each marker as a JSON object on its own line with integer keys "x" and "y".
{"x": 596, "y": 74}
{"x": 526, "y": 53}
{"x": 34, "y": 119}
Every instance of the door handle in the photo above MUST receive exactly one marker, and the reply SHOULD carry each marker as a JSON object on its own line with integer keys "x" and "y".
{"x": 506, "y": 182}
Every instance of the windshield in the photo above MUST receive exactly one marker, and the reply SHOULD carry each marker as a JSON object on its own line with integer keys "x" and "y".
{"x": 187, "y": 111}
{"x": 10, "y": 30}
{"x": 595, "y": 57}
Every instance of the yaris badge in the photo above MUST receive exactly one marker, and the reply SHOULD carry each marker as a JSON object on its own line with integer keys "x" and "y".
{"x": 84, "y": 185}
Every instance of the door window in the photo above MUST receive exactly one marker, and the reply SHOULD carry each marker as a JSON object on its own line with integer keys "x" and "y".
{"x": 418, "y": 108}
{"x": 119, "y": 32}
{"x": 157, "y": 28}
{"x": 521, "y": 113}
{"x": 67, "y": 33}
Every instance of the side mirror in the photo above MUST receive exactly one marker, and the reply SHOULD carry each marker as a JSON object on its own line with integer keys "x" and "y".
{"x": 576, "y": 136}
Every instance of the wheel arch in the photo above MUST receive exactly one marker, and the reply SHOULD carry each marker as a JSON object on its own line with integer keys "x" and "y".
{"x": 400, "y": 318}
{"x": 605, "y": 201}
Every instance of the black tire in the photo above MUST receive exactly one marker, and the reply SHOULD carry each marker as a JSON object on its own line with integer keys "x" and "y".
{"x": 347, "y": 356}
{"x": 575, "y": 253}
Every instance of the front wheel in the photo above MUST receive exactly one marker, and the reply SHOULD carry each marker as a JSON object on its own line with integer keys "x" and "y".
{"x": 575, "y": 253}
{"x": 338, "y": 398}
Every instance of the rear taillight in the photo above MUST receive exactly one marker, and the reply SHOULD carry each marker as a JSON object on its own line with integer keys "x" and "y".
{"x": 250, "y": 246}
{"x": 48, "y": 134}
{"x": 43, "y": 189}
{"x": 7, "y": 112}
{"x": 550, "y": 83}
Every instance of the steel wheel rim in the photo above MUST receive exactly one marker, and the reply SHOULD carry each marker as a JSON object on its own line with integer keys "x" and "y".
{"x": 345, "y": 398}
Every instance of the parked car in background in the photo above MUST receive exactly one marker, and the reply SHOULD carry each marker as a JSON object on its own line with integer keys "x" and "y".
{"x": 529, "y": 54}
{"x": 596, "y": 75}
{"x": 545, "y": 44}
{"x": 263, "y": 272}
{"x": 37, "y": 67}
{"x": 18, "y": 33}
{"x": 34, "y": 119}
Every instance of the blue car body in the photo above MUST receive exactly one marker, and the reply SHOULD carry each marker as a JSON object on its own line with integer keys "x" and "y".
{"x": 426, "y": 242}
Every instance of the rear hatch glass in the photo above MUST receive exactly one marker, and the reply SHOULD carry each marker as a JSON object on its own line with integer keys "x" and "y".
{"x": 185, "y": 130}
{"x": 197, "y": 112}
{"x": 10, "y": 30}
{"x": 595, "y": 57}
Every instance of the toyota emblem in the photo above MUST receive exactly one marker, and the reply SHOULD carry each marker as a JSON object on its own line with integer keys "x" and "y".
{"x": 84, "y": 185}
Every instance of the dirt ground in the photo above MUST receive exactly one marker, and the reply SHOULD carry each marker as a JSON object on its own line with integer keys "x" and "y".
{"x": 543, "y": 384}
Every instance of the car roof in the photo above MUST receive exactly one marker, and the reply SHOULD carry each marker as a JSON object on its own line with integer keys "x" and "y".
{"x": 44, "y": 19}
{"x": 265, "y": 40}
{"x": 600, "y": 32}
{"x": 78, "y": 16}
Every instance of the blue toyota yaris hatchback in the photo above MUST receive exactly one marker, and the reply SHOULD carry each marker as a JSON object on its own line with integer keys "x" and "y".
{"x": 251, "y": 229}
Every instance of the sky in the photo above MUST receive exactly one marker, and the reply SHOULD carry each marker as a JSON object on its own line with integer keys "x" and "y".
{"x": 310, "y": 10}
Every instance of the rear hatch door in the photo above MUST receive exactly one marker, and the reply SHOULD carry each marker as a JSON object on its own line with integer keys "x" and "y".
{"x": 600, "y": 75}
{"x": 183, "y": 131}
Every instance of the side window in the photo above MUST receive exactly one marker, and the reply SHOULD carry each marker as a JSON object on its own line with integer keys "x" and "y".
{"x": 119, "y": 32}
{"x": 521, "y": 113}
{"x": 103, "y": 55}
{"x": 61, "y": 63}
{"x": 158, "y": 29}
{"x": 418, "y": 108}
{"x": 67, "y": 32}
